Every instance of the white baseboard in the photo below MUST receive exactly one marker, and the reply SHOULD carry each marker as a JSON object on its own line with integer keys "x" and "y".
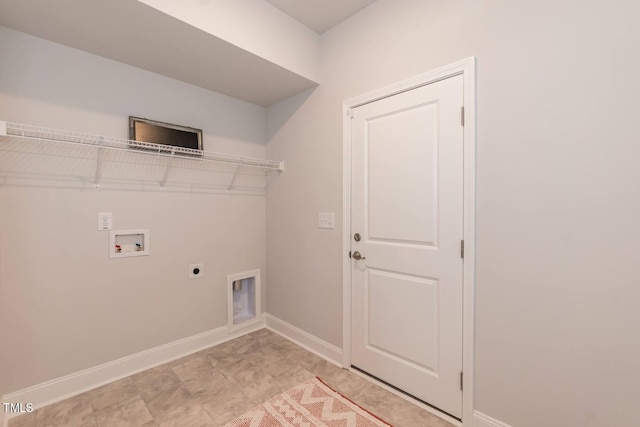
{"x": 314, "y": 344}
{"x": 70, "y": 385}
{"x": 482, "y": 420}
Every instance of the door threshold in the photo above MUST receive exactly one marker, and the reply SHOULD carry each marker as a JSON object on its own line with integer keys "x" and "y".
{"x": 407, "y": 396}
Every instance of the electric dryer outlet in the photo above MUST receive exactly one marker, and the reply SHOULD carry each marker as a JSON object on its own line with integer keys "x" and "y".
{"x": 196, "y": 270}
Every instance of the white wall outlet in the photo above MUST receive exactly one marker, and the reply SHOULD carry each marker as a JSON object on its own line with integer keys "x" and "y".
{"x": 326, "y": 220}
{"x": 105, "y": 221}
{"x": 196, "y": 270}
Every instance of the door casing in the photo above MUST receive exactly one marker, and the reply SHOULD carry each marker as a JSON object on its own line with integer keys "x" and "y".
{"x": 466, "y": 68}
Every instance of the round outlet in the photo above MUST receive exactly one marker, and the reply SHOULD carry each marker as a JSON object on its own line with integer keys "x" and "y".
{"x": 196, "y": 270}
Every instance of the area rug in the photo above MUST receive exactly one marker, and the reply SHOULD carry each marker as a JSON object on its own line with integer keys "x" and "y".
{"x": 310, "y": 404}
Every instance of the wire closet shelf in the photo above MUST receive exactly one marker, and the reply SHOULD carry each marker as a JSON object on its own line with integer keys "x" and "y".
{"x": 164, "y": 164}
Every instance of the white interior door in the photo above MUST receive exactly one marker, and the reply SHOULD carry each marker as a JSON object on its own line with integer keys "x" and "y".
{"x": 407, "y": 208}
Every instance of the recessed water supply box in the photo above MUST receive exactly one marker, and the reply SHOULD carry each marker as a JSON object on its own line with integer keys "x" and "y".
{"x": 128, "y": 243}
{"x": 243, "y": 304}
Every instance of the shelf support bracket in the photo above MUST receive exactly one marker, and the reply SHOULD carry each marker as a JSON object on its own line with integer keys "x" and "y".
{"x": 99, "y": 161}
{"x": 235, "y": 175}
{"x": 273, "y": 181}
{"x": 167, "y": 169}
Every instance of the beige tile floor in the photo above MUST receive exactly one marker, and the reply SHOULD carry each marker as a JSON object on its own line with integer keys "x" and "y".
{"x": 213, "y": 386}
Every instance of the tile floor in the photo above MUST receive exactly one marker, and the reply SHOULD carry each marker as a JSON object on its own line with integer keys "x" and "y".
{"x": 213, "y": 386}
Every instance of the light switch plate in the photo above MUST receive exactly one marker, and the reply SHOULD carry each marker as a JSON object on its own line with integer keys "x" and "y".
{"x": 326, "y": 220}
{"x": 105, "y": 221}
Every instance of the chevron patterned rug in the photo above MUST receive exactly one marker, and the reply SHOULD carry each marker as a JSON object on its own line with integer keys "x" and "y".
{"x": 310, "y": 404}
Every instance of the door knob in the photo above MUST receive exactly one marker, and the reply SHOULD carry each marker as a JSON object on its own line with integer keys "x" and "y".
{"x": 357, "y": 255}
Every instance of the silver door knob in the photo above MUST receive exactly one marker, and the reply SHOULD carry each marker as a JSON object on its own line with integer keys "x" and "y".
{"x": 357, "y": 255}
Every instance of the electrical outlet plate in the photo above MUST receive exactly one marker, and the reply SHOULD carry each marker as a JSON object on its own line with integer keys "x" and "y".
{"x": 196, "y": 270}
{"x": 326, "y": 220}
{"x": 105, "y": 221}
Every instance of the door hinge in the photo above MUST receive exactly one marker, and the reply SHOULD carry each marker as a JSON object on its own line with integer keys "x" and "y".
{"x": 349, "y": 254}
{"x": 460, "y": 381}
{"x": 462, "y": 249}
{"x": 462, "y": 116}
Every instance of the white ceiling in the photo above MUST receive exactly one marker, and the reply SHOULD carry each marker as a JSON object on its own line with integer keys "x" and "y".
{"x": 320, "y": 15}
{"x": 133, "y": 33}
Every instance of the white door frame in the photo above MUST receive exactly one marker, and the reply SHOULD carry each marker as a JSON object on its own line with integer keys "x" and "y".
{"x": 467, "y": 69}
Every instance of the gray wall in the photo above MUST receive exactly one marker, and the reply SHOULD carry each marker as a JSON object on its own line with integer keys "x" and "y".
{"x": 557, "y": 193}
{"x": 64, "y": 306}
{"x": 557, "y": 275}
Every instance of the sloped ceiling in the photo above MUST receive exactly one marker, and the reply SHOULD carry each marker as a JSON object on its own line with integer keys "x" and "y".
{"x": 133, "y": 33}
